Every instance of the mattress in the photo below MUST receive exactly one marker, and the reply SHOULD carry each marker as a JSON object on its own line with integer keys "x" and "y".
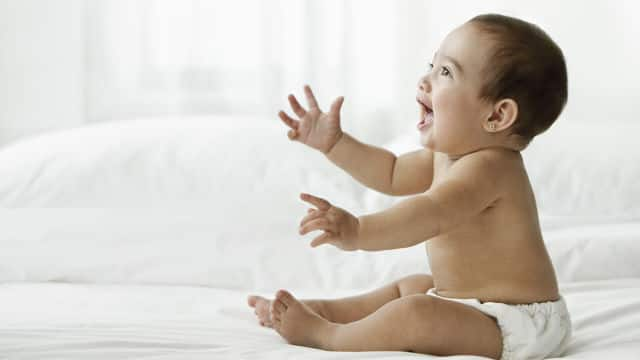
{"x": 98, "y": 321}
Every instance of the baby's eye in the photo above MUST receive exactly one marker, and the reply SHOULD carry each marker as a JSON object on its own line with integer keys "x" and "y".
{"x": 430, "y": 66}
{"x": 444, "y": 71}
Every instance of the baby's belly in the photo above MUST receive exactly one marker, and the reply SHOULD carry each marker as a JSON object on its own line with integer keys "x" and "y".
{"x": 463, "y": 268}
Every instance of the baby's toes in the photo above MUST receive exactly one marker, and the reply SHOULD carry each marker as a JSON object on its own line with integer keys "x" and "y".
{"x": 285, "y": 297}
{"x": 277, "y": 308}
{"x": 264, "y": 315}
{"x": 262, "y": 310}
{"x": 276, "y": 324}
{"x": 262, "y": 305}
{"x": 265, "y": 319}
{"x": 261, "y": 317}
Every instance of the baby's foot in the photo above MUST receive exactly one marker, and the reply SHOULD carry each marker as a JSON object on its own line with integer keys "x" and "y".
{"x": 261, "y": 306}
{"x": 297, "y": 323}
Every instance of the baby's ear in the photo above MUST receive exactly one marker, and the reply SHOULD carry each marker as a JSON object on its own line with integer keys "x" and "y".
{"x": 505, "y": 113}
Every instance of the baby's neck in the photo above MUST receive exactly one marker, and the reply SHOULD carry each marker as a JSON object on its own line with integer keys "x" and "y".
{"x": 452, "y": 158}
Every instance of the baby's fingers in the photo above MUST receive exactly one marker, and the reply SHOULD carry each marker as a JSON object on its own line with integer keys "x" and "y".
{"x": 321, "y": 204}
{"x": 337, "y": 105}
{"x": 293, "y": 124}
{"x": 311, "y": 99}
{"x": 316, "y": 224}
{"x": 322, "y": 239}
{"x": 292, "y": 134}
{"x": 295, "y": 105}
{"x": 310, "y": 216}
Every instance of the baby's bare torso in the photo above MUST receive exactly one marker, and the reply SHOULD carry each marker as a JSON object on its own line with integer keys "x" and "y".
{"x": 499, "y": 255}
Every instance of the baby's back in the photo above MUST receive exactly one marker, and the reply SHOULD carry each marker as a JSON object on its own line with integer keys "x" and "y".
{"x": 499, "y": 255}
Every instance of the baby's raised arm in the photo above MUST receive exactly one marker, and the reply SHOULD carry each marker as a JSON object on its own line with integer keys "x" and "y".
{"x": 372, "y": 166}
{"x": 381, "y": 170}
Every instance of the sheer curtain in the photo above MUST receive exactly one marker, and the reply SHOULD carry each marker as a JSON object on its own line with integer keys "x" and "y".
{"x": 165, "y": 57}
{"x": 71, "y": 61}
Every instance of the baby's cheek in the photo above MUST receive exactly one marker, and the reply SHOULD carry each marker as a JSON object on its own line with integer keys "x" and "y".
{"x": 444, "y": 105}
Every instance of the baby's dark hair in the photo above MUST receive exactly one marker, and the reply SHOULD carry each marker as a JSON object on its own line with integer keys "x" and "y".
{"x": 525, "y": 65}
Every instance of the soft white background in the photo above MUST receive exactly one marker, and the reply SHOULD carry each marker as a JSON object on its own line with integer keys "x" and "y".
{"x": 168, "y": 164}
{"x": 68, "y": 62}
{"x": 168, "y": 167}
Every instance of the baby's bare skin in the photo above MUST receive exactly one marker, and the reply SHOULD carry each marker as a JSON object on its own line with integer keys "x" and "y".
{"x": 498, "y": 256}
{"x": 263, "y": 308}
{"x": 473, "y": 206}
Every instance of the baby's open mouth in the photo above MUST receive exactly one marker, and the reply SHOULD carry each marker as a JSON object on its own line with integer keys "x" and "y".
{"x": 426, "y": 115}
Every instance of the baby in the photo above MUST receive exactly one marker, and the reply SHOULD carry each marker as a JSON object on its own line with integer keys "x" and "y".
{"x": 495, "y": 83}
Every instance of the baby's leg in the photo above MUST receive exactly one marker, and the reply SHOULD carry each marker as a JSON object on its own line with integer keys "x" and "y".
{"x": 417, "y": 323}
{"x": 352, "y": 308}
{"x": 349, "y": 309}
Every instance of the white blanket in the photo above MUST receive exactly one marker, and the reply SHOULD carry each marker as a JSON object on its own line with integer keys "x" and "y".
{"x": 81, "y": 321}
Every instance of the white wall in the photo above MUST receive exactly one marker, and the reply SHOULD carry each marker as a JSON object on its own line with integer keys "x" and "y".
{"x": 43, "y": 52}
{"x": 41, "y": 66}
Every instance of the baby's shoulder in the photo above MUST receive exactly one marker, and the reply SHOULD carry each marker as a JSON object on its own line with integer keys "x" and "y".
{"x": 507, "y": 169}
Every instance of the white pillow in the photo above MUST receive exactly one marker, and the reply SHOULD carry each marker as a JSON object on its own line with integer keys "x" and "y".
{"x": 206, "y": 201}
{"x": 224, "y": 248}
{"x": 167, "y": 162}
{"x": 595, "y": 251}
{"x": 587, "y": 169}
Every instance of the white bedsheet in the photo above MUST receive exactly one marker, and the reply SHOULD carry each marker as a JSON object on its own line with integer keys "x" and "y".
{"x": 82, "y": 321}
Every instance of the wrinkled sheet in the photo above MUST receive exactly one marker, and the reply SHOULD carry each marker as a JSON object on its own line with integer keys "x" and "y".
{"x": 97, "y": 321}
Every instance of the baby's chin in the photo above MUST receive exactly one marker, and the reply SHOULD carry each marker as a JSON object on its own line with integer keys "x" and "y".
{"x": 426, "y": 141}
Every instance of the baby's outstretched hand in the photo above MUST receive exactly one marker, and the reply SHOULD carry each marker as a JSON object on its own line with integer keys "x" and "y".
{"x": 340, "y": 227}
{"x": 315, "y": 128}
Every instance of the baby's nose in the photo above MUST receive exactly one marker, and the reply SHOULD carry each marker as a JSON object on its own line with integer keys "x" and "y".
{"x": 423, "y": 83}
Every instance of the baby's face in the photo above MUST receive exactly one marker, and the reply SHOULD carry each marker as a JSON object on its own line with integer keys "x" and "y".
{"x": 452, "y": 121}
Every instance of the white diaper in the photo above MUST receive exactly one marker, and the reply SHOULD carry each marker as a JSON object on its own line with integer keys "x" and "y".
{"x": 529, "y": 331}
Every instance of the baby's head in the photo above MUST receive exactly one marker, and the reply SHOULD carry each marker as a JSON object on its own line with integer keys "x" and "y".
{"x": 495, "y": 81}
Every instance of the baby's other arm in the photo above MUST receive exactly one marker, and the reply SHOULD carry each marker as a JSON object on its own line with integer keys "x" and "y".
{"x": 469, "y": 187}
{"x": 381, "y": 170}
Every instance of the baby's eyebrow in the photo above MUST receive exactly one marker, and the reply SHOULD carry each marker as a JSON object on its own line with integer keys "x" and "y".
{"x": 452, "y": 60}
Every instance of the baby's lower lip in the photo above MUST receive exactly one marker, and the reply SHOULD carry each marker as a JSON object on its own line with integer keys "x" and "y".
{"x": 426, "y": 121}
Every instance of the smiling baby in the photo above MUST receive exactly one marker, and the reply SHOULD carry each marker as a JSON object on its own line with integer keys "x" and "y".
{"x": 494, "y": 84}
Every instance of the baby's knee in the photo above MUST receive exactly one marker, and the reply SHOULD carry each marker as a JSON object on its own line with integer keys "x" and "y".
{"x": 414, "y": 284}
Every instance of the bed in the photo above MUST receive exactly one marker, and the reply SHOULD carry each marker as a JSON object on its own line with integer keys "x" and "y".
{"x": 142, "y": 239}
